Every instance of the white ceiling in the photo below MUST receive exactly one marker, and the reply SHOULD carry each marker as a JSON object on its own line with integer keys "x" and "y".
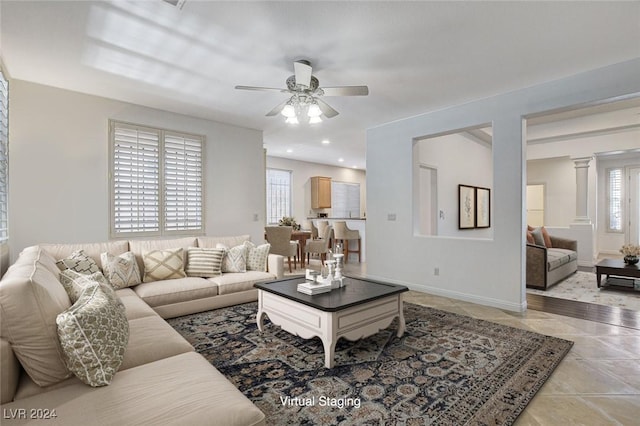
{"x": 414, "y": 56}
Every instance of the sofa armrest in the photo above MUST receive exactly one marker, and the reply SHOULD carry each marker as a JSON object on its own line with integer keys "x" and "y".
{"x": 536, "y": 266}
{"x": 564, "y": 243}
{"x": 275, "y": 265}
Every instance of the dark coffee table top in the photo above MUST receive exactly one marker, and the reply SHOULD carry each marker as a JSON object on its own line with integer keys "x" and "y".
{"x": 618, "y": 267}
{"x": 356, "y": 291}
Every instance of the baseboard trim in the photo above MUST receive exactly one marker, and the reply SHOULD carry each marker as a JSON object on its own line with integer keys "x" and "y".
{"x": 480, "y": 300}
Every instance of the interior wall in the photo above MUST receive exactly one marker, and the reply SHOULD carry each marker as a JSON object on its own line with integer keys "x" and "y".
{"x": 559, "y": 177}
{"x": 59, "y": 189}
{"x": 458, "y": 160}
{"x": 490, "y": 272}
{"x": 302, "y": 172}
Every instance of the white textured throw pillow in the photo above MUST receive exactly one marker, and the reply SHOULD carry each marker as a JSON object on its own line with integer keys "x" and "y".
{"x": 93, "y": 333}
{"x": 204, "y": 262}
{"x": 122, "y": 270}
{"x": 257, "y": 256}
{"x": 163, "y": 264}
{"x": 75, "y": 282}
{"x": 235, "y": 258}
{"x": 79, "y": 261}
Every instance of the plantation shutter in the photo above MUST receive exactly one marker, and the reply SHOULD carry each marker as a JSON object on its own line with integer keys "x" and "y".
{"x": 345, "y": 199}
{"x": 136, "y": 180}
{"x": 614, "y": 199}
{"x": 183, "y": 182}
{"x": 4, "y": 159}
{"x": 278, "y": 195}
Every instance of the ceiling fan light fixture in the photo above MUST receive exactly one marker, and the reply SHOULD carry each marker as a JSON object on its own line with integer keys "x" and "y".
{"x": 291, "y": 120}
{"x": 314, "y": 110}
{"x": 289, "y": 110}
{"x": 315, "y": 120}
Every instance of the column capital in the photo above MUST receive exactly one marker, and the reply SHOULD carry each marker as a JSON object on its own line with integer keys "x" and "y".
{"x": 581, "y": 162}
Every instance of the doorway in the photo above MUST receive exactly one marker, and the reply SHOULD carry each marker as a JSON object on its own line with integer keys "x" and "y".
{"x": 634, "y": 205}
{"x": 535, "y": 205}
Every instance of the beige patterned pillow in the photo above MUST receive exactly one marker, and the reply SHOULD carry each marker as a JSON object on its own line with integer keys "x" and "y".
{"x": 75, "y": 283}
{"x": 122, "y": 270}
{"x": 257, "y": 256}
{"x": 163, "y": 264}
{"x": 93, "y": 333}
{"x": 79, "y": 261}
{"x": 204, "y": 262}
{"x": 235, "y": 258}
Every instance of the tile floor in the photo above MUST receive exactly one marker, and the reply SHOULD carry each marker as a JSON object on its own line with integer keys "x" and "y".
{"x": 597, "y": 383}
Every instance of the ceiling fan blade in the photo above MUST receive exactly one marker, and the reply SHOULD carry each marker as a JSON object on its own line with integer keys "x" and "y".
{"x": 277, "y": 109}
{"x": 303, "y": 73}
{"x": 326, "y": 109}
{"x": 346, "y": 91}
{"x": 263, "y": 89}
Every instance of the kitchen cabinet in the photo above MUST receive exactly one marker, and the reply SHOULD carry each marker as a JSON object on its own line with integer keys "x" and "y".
{"x": 320, "y": 192}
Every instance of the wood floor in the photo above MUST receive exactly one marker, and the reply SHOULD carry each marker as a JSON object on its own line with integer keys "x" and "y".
{"x": 582, "y": 310}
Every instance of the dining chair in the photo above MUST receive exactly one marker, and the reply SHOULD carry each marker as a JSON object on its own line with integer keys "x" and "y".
{"x": 344, "y": 234}
{"x": 320, "y": 246}
{"x": 280, "y": 239}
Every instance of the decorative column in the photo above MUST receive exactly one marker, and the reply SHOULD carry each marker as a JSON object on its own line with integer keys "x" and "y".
{"x": 582, "y": 189}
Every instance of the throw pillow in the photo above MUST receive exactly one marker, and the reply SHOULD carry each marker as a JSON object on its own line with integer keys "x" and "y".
{"x": 79, "y": 261}
{"x": 204, "y": 262}
{"x": 235, "y": 258}
{"x": 546, "y": 237}
{"x": 93, "y": 333}
{"x": 530, "y": 239}
{"x": 257, "y": 256}
{"x": 75, "y": 283}
{"x": 122, "y": 270}
{"x": 537, "y": 237}
{"x": 163, "y": 264}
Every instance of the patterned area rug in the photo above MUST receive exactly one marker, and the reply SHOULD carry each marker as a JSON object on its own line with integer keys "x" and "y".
{"x": 582, "y": 287}
{"x": 447, "y": 369}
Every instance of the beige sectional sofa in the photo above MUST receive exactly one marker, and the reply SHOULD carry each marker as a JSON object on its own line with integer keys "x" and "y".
{"x": 161, "y": 379}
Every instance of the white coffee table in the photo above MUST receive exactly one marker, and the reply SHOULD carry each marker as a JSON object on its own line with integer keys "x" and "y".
{"x": 358, "y": 310}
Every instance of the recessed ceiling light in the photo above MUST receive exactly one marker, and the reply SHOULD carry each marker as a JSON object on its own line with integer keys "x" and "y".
{"x": 326, "y": 142}
{"x": 289, "y": 151}
{"x": 340, "y": 160}
{"x": 354, "y": 167}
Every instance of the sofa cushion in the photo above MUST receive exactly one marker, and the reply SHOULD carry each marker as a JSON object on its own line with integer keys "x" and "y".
{"x": 31, "y": 297}
{"x": 557, "y": 257}
{"x": 79, "y": 261}
{"x": 150, "y": 339}
{"x": 257, "y": 256}
{"x": 173, "y": 291}
{"x": 121, "y": 270}
{"x": 235, "y": 258}
{"x": 138, "y": 247}
{"x": 59, "y": 251}
{"x": 165, "y": 264}
{"x": 212, "y": 242}
{"x": 94, "y": 333}
{"x": 235, "y": 282}
{"x": 180, "y": 390}
{"x": 134, "y": 306}
{"x": 204, "y": 261}
{"x": 9, "y": 372}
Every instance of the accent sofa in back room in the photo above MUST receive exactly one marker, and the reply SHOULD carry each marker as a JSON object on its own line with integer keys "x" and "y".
{"x": 159, "y": 379}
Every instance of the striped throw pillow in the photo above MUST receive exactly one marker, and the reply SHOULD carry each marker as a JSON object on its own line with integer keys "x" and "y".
{"x": 204, "y": 262}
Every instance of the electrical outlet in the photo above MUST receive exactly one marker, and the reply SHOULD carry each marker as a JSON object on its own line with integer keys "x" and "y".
{"x": 436, "y": 271}
{"x": 391, "y": 216}
{"x": 255, "y": 217}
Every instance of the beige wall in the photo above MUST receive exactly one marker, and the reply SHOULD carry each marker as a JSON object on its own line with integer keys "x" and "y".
{"x": 58, "y": 183}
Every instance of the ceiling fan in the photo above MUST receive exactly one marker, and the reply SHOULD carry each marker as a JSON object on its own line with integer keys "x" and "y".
{"x": 305, "y": 93}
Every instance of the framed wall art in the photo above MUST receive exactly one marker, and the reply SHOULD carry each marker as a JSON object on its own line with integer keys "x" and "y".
{"x": 483, "y": 207}
{"x": 466, "y": 207}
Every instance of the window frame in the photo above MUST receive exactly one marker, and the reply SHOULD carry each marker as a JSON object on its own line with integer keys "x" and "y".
{"x": 4, "y": 165}
{"x": 289, "y": 195}
{"x": 162, "y": 184}
{"x": 334, "y": 203}
{"x": 609, "y": 201}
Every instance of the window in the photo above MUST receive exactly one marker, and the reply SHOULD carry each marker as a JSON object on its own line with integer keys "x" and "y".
{"x": 278, "y": 195}
{"x": 156, "y": 181}
{"x": 4, "y": 159}
{"x": 345, "y": 199}
{"x": 614, "y": 200}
